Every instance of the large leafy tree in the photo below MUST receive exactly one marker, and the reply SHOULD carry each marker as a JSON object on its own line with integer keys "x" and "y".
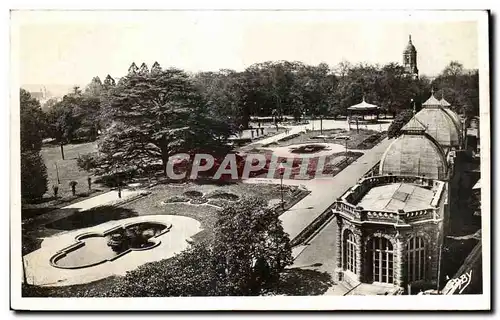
{"x": 154, "y": 115}
{"x": 460, "y": 87}
{"x": 250, "y": 246}
{"x": 32, "y": 123}
{"x": 225, "y": 95}
{"x": 64, "y": 118}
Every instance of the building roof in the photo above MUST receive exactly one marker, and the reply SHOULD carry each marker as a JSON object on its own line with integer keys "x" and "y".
{"x": 414, "y": 155}
{"x": 440, "y": 125}
{"x": 363, "y": 106}
{"x": 432, "y": 102}
{"x": 444, "y": 103}
{"x": 396, "y": 196}
{"x": 414, "y": 126}
{"x": 410, "y": 47}
{"x": 454, "y": 117}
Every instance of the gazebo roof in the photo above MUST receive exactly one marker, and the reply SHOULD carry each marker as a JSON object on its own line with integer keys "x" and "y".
{"x": 363, "y": 106}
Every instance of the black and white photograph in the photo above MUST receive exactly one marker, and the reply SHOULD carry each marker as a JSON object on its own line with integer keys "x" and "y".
{"x": 285, "y": 159}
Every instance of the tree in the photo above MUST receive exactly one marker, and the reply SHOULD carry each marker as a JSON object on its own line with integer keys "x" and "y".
{"x": 94, "y": 88}
{"x": 63, "y": 120}
{"x": 153, "y": 116}
{"x": 190, "y": 273}
{"x": 33, "y": 175}
{"x": 225, "y": 96}
{"x": 460, "y": 88}
{"x": 318, "y": 90}
{"x": 32, "y": 122}
{"x": 109, "y": 82}
{"x": 33, "y": 170}
{"x": 250, "y": 247}
{"x": 401, "y": 119}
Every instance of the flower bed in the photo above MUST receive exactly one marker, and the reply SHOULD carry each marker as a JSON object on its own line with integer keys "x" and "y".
{"x": 218, "y": 194}
{"x": 198, "y": 201}
{"x": 193, "y": 194}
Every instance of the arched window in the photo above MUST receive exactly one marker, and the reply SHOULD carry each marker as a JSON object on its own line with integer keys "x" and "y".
{"x": 382, "y": 258}
{"x": 350, "y": 250}
{"x": 415, "y": 249}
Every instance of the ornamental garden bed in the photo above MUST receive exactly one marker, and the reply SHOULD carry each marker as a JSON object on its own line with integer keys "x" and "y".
{"x": 356, "y": 139}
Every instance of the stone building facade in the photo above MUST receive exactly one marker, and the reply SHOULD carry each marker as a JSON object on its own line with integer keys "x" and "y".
{"x": 385, "y": 246}
{"x": 391, "y": 224}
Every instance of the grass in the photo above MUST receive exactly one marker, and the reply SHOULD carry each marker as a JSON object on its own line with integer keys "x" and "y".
{"x": 207, "y": 214}
{"x": 153, "y": 204}
{"x": 68, "y": 169}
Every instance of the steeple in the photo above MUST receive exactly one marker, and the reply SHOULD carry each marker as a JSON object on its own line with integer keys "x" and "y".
{"x": 410, "y": 59}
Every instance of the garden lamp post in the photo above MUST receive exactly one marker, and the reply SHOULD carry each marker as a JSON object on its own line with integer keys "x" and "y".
{"x": 281, "y": 171}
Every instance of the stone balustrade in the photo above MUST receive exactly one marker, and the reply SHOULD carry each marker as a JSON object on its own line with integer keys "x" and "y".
{"x": 356, "y": 192}
{"x": 399, "y": 217}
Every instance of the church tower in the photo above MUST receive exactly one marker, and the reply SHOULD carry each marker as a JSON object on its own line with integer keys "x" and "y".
{"x": 410, "y": 60}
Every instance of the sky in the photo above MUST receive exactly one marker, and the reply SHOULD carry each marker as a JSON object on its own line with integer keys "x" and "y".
{"x": 70, "y": 48}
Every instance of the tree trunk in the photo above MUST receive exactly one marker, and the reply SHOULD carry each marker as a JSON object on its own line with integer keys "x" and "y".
{"x": 62, "y": 150}
{"x": 164, "y": 163}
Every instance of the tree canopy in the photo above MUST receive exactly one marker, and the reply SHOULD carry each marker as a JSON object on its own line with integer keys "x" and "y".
{"x": 154, "y": 115}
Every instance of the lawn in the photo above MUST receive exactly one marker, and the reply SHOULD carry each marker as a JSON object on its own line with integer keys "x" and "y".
{"x": 155, "y": 203}
{"x": 67, "y": 169}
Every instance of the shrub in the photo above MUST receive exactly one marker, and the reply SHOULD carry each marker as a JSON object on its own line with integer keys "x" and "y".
{"x": 33, "y": 176}
{"x": 88, "y": 161}
{"x": 111, "y": 180}
{"x": 191, "y": 273}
